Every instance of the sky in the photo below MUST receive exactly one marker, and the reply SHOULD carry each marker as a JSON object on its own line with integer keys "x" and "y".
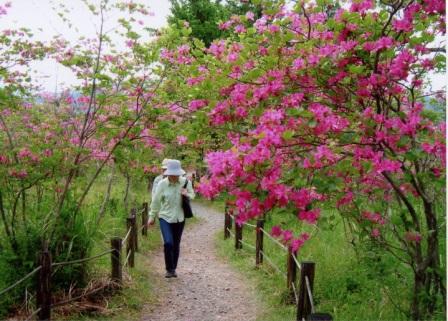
{"x": 41, "y": 17}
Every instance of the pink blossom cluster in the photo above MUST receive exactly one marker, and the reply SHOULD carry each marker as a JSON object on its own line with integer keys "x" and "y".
{"x": 151, "y": 169}
{"x": 180, "y": 56}
{"x": 20, "y": 174}
{"x": 310, "y": 216}
{"x": 346, "y": 199}
{"x": 287, "y": 238}
{"x": 374, "y": 218}
{"x": 150, "y": 141}
{"x": 25, "y": 153}
{"x": 327, "y": 110}
{"x": 195, "y": 80}
{"x": 327, "y": 121}
{"x": 4, "y": 8}
{"x": 181, "y": 140}
{"x": 197, "y": 104}
{"x": 413, "y": 237}
{"x": 4, "y": 159}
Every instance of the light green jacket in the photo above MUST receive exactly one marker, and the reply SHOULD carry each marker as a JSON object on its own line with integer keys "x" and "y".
{"x": 154, "y": 185}
{"x": 167, "y": 201}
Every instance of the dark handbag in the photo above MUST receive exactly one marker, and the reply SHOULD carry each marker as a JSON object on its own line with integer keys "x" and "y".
{"x": 186, "y": 206}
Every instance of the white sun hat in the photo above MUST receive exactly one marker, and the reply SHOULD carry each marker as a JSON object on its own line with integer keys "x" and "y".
{"x": 173, "y": 168}
{"x": 165, "y": 162}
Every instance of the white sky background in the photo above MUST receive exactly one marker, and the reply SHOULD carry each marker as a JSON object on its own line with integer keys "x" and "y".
{"x": 40, "y": 17}
{"x": 43, "y": 20}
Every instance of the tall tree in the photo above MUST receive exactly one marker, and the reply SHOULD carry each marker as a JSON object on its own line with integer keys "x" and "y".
{"x": 204, "y": 16}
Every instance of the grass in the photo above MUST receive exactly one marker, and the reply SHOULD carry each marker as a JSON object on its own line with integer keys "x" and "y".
{"x": 348, "y": 285}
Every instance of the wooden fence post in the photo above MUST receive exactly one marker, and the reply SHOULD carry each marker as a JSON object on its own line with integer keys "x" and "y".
{"x": 145, "y": 219}
{"x": 259, "y": 242}
{"x": 238, "y": 236}
{"x": 116, "y": 259}
{"x": 43, "y": 295}
{"x": 227, "y": 223}
{"x": 130, "y": 244}
{"x": 291, "y": 274}
{"x": 304, "y": 305}
{"x": 134, "y": 231}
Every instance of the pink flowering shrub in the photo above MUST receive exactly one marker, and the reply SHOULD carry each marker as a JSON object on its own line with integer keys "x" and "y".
{"x": 318, "y": 111}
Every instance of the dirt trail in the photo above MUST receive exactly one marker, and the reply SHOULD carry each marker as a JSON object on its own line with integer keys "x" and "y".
{"x": 207, "y": 288}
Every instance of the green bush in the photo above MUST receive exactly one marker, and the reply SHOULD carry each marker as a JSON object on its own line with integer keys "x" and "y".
{"x": 68, "y": 242}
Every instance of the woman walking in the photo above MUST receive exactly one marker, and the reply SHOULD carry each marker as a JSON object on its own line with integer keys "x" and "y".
{"x": 166, "y": 204}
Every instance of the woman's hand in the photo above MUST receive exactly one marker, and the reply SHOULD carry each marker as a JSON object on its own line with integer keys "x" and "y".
{"x": 150, "y": 222}
{"x": 183, "y": 191}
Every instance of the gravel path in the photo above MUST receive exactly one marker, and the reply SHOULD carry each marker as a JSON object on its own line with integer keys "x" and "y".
{"x": 207, "y": 289}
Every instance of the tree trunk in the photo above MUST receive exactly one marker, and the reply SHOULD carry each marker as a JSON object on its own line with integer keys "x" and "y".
{"x": 429, "y": 289}
{"x": 107, "y": 197}
{"x": 126, "y": 193}
{"x": 419, "y": 277}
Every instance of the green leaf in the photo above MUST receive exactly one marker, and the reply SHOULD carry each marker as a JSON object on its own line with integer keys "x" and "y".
{"x": 356, "y": 69}
{"x": 287, "y": 135}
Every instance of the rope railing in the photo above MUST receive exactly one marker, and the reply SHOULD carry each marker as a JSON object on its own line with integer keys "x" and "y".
{"x": 273, "y": 239}
{"x": 250, "y": 225}
{"x": 247, "y": 244}
{"x": 310, "y": 293}
{"x": 273, "y": 265}
{"x": 123, "y": 242}
{"x": 127, "y": 259}
{"x": 299, "y": 292}
{"x": 299, "y": 266}
{"x": 82, "y": 260}
{"x": 20, "y": 281}
{"x": 266, "y": 233}
{"x": 296, "y": 295}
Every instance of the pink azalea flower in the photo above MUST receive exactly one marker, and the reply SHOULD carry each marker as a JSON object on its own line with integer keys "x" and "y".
{"x": 240, "y": 29}
{"x": 375, "y": 218}
{"x": 276, "y": 231}
{"x": 195, "y": 80}
{"x": 197, "y": 104}
{"x": 24, "y": 153}
{"x": 375, "y": 233}
{"x": 4, "y": 159}
{"x": 287, "y": 235}
{"x": 413, "y": 237}
{"x": 298, "y": 64}
{"x": 296, "y": 244}
{"x": 346, "y": 199}
{"x": 181, "y": 140}
{"x": 48, "y": 152}
{"x": 310, "y": 216}
{"x": 250, "y": 15}
{"x": 18, "y": 174}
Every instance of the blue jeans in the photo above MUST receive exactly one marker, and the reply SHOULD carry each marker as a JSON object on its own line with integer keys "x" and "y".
{"x": 172, "y": 234}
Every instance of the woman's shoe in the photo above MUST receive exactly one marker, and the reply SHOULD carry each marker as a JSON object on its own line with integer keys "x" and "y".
{"x": 170, "y": 274}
